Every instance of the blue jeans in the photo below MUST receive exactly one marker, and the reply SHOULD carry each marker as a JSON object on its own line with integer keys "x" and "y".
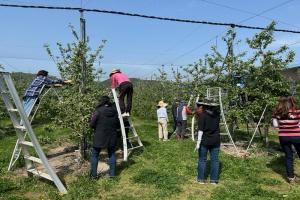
{"x": 111, "y": 161}
{"x": 28, "y": 104}
{"x": 214, "y": 159}
{"x": 286, "y": 143}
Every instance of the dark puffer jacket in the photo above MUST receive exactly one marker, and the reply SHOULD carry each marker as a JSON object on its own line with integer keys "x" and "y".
{"x": 105, "y": 123}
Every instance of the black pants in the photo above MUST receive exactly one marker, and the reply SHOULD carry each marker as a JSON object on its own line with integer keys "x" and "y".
{"x": 286, "y": 143}
{"x": 125, "y": 89}
{"x": 181, "y": 128}
{"x": 174, "y": 124}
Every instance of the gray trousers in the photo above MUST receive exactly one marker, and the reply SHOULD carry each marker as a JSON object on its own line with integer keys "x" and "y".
{"x": 181, "y": 128}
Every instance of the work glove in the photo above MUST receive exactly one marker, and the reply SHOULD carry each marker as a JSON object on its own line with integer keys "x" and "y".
{"x": 275, "y": 122}
{"x": 200, "y": 133}
{"x": 67, "y": 81}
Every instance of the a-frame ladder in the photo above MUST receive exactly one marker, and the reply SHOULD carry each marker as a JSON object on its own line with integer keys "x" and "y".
{"x": 127, "y": 127}
{"x": 17, "y": 149}
{"x": 216, "y": 95}
{"x": 16, "y": 112}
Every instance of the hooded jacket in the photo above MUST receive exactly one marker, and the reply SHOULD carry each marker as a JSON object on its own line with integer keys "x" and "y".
{"x": 208, "y": 122}
{"x": 105, "y": 123}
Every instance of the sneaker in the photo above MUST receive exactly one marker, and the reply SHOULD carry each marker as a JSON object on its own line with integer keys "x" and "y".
{"x": 291, "y": 180}
{"x": 213, "y": 182}
{"x": 201, "y": 182}
{"x": 124, "y": 115}
{"x": 127, "y": 114}
{"x": 165, "y": 140}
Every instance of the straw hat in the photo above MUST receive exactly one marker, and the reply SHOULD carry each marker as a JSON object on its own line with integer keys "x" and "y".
{"x": 162, "y": 104}
{"x": 113, "y": 71}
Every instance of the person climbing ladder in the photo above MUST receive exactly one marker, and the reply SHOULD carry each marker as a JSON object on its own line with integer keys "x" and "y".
{"x": 121, "y": 81}
{"x": 34, "y": 89}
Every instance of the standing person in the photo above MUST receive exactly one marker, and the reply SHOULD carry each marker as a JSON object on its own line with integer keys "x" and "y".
{"x": 174, "y": 113}
{"x": 181, "y": 118}
{"x": 121, "y": 81}
{"x": 34, "y": 89}
{"x": 162, "y": 119}
{"x": 287, "y": 119}
{"x": 105, "y": 123}
{"x": 208, "y": 140}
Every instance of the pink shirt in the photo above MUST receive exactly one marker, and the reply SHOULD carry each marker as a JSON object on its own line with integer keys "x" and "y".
{"x": 118, "y": 78}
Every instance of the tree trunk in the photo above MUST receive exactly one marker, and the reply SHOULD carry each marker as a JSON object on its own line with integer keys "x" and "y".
{"x": 266, "y": 131}
{"x": 83, "y": 147}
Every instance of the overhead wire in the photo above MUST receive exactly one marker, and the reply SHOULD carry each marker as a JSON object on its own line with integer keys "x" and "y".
{"x": 232, "y": 8}
{"x": 147, "y": 16}
{"x": 248, "y": 12}
{"x": 162, "y": 18}
{"x": 244, "y": 20}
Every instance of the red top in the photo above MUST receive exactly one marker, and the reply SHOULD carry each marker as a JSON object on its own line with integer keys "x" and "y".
{"x": 118, "y": 78}
{"x": 291, "y": 125}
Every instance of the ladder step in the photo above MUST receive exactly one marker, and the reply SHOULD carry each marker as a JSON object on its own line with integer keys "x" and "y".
{"x": 22, "y": 128}
{"x": 132, "y": 137}
{"x": 12, "y": 110}
{"x": 34, "y": 159}
{"x": 40, "y": 174}
{"x": 26, "y": 143}
{"x": 134, "y": 148}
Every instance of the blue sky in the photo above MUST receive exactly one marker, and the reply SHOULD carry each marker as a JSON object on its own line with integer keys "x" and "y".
{"x": 138, "y": 46}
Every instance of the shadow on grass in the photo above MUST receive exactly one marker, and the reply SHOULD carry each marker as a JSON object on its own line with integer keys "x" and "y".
{"x": 277, "y": 165}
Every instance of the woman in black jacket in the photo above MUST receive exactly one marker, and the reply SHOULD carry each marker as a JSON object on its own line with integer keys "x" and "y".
{"x": 208, "y": 140}
{"x": 105, "y": 123}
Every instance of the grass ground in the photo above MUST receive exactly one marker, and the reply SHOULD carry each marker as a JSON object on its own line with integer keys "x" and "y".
{"x": 165, "y": 170}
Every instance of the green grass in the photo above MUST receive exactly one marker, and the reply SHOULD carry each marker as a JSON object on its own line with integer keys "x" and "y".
{"x": 164, "y": 170}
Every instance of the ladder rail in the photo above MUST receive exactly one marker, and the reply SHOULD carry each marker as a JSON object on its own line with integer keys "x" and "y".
{"x": 193, "y": 122}
{"x": 126, "y": 141}
{"x": 17, "y": 150}
{"x": 225, "y": 122}
{"x": 135, "y": 133}
{"x": 216, "y": 93}
{"x": 123, "y": 131}
{"x": 256, "y": 128}
{"x": 13, "y": 117}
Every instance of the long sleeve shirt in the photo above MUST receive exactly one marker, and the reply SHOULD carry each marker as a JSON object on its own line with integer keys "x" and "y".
{"x": 118, "y": 78}
{"x": 37, "y": 84}
{"x": 290, "y": 126}
{"x": 162, "y": 113}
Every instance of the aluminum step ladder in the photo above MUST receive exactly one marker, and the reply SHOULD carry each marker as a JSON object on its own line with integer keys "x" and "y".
{"x": 17, "y": 149}
{"x": 127, "y": 127}
{"x": 16, "y": 112}
{"x": 216, "y": 94}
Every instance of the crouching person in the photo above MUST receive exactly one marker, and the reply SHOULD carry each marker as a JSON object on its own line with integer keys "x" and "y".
{"x": 105, "y": 123}
{"x": 208, "y": 140}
